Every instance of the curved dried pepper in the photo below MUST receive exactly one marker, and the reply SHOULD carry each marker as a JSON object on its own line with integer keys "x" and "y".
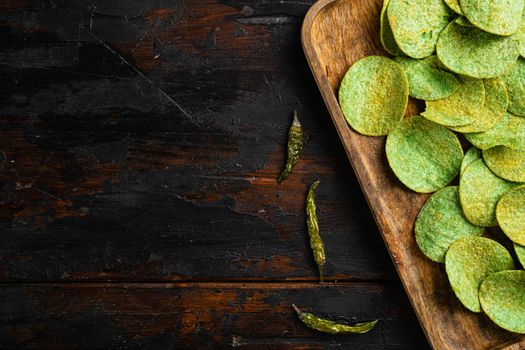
{"x": 327, "y": 326}
{"x": 295, "y": 146}
{"x": 313, "y": 230}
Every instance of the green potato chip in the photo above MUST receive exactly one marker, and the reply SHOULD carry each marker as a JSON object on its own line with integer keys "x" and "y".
{"x": 515, "y": 80}
{"x": 454, "y": 5}
{"x": 501, "y": 17}
{"x": 520, "y": 253}
{"x": 416, "y": 24}
{"x": 423, "y": 155}
{"x": 472, "y": 52}
{"x": 509, "y": 131}
{"x": 511, "y": 214}
{"x": 426, "y": 79}
{"x": 506, "y": 162}
{"x": 386, "y": 35}
{"x": 463, "y": 21}
{"x": 479, "y": 192}
{"x": 520, "y": 36}
{"x": 470, "y": 157}
{"x": 440, "y": 222}
{"x": 468, "y": 261}
{"x": 494, "y": 108}
{"x": 502, "y": 297}
{"x": 374, "y": 95}
{"x": 460, "y": 108}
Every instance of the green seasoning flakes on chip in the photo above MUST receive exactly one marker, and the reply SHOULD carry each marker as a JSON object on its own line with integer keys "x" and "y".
{"x": 424, "y": 156}
{"x": 441, "y": 222}
{"x": 479, "y": 192}
{"x": 520, "y": 36}
{"x": 502, "y": 297}
{"x": 470, "y": 157}
{"x": 454, "y": 5}
{"x": 386, "y": 35}
{"x": 515, "y": 80}
{"x": 506, "y": 162}
{"x": 501, "y": 17}
{"x": 496, "y": 102}
{"x": 426, "y": 79}
{"x": 475, "y": 53}
{"x": 374, "y": 95}
{"x": 511, "y": 215}
{"x": 416, "y": 24}
{"x": 520, "y": 253}
{"x": 509, "y": 131}
{"x": 460, "y": 108}
{"x": 469, "y": 261}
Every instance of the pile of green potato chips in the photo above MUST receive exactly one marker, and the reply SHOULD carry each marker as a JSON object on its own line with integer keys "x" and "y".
{"x": 466, "y": 60}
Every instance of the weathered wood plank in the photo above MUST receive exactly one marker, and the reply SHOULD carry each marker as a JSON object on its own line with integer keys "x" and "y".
{"x": 204, "y": 316}
{"x": 106, "y": 179}
{"x": 74, "y": 217}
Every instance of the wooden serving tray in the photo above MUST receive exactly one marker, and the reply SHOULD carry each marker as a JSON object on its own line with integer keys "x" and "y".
{"x": 335, "y": 34}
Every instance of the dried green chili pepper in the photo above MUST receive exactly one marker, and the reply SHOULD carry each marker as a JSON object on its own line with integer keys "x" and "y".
{"x": 313, "y": 230}
{"x": 295, "y": 146}
{"x": 327, "y": 326}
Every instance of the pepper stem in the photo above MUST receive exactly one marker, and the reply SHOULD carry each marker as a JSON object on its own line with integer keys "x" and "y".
{"x": 296, "y": 121}
{"x": 299, "y": 312}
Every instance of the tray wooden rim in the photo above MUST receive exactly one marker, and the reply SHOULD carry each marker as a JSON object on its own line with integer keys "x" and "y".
{"x": 341, "y": 127}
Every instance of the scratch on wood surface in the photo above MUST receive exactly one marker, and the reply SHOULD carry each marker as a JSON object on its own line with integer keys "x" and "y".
{"x": 21, "y": 186}
{"x": 267, "y": 20}
{"x": 136, "y": 70}
{"x": 146, "y": 33}
{"x": 236, "y": 341}
{"x": 30, "y": 185}
{"x": 295, "y": 3}
{"x": 32, "y": 66}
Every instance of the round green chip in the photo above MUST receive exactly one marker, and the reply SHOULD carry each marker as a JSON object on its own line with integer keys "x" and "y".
{"x": 501, "y": 17}
{"x": 440, "y": 222}
{"x": 470, "y": 157}
{"x": 509, "y": 131}
{"x": 416, "y": 24}
{"x": 424, "y": 156}
{"x": 515, "y": 80}
{"x": 520, "y": 253}
{"x": 454, "y": 5}
{"x": 475, "y": 53}
{"x": 479, "y": 192}
{"x": 506, "y": 162}
{"x": 463, "y": 21}
{"x": 426, "y": 79}
{"x": 511, "y": 214}
{"x": 469, "y": 261}
{"x": 374, "y": 95}
{"x": 460, "y": 108}
{"x": 520, "y": 35}
{"x": 386, "y": 35}
{"x": 502, "y": 297}
{"x": 496, "y": 102}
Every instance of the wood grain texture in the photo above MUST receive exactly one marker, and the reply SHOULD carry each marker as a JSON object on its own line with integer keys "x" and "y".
{"x": 200, "y": 316}
{"x": 105, "y": 178}
{"x": 335, "y": 34}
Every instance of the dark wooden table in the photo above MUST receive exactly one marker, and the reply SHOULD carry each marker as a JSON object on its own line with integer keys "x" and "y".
{"x": 139, "y": 208}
